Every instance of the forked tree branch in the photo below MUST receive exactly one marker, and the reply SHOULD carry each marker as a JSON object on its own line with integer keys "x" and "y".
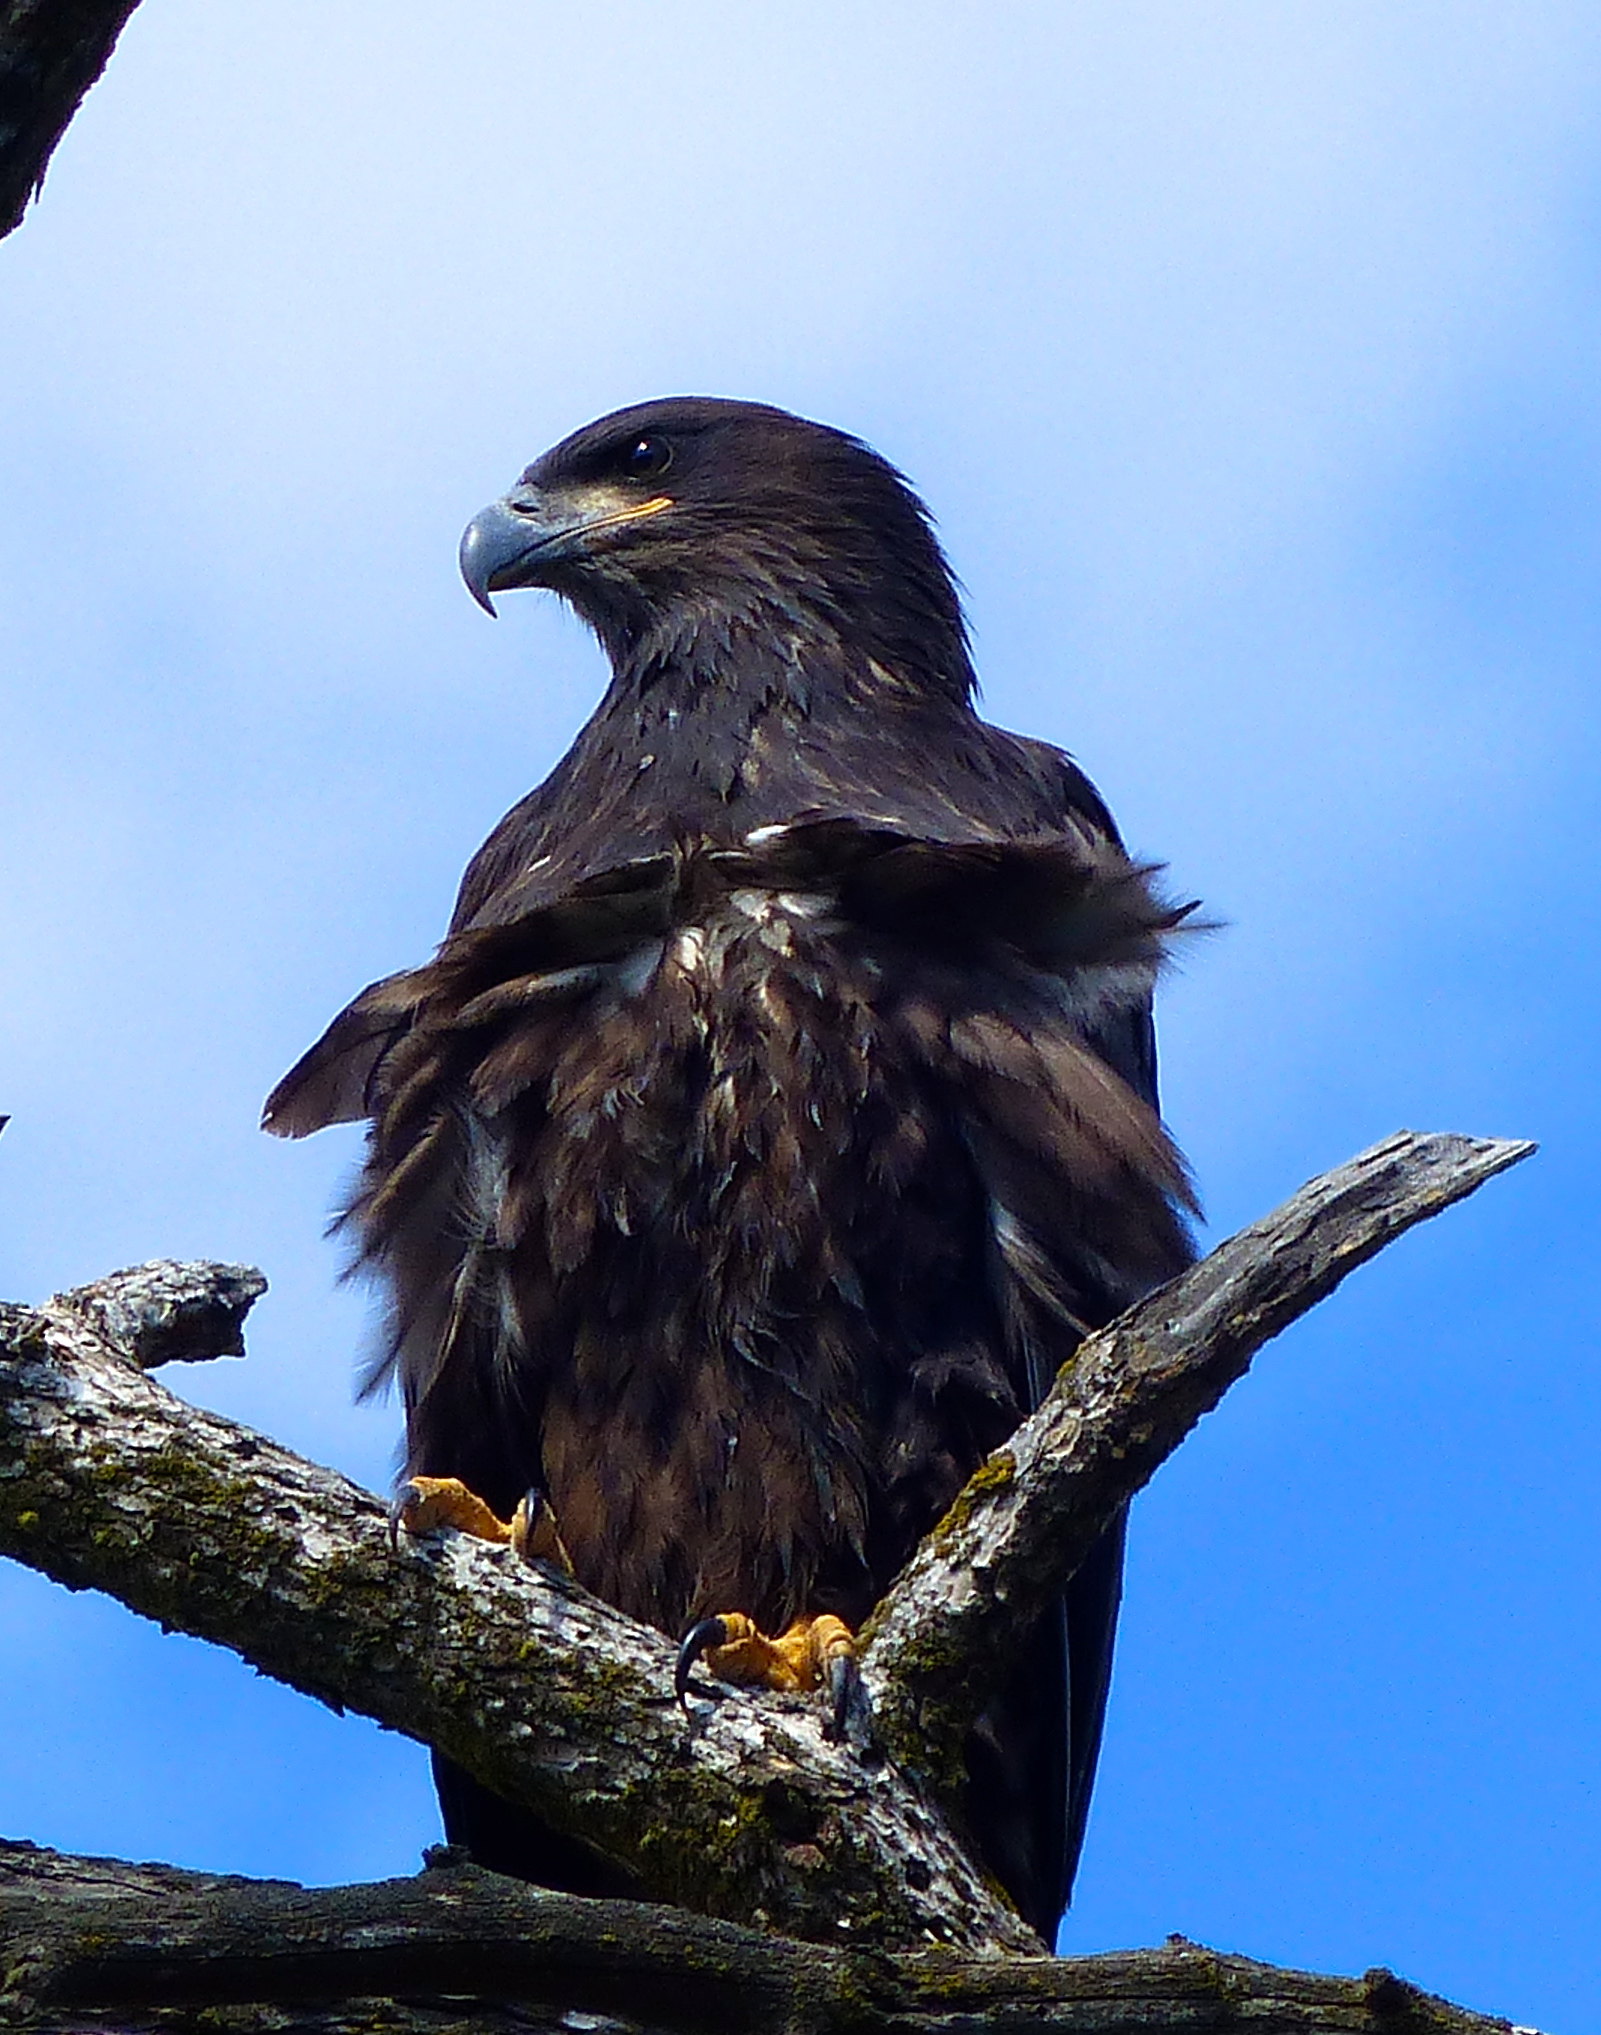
{"x": 51, "y": 52}
{"x": 740, "y": 1808}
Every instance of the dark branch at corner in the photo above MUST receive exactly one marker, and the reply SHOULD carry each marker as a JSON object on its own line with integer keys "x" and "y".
{"x": 939, "y": 1641}
{"x": 51, "y": 52}
{"x": 93, "y": 1942}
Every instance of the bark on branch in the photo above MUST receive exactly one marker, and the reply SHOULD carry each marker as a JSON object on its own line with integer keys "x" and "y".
{"x": 741, "y": 1808}
{"x": 939, "y": 1641}
{"x": 93, "y": 1943}
{"x": 51, "y": 52}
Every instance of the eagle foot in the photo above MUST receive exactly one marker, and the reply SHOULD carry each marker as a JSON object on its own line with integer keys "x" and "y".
{"x": 814, "y": 1653}
{"x": 424, "y": 1504}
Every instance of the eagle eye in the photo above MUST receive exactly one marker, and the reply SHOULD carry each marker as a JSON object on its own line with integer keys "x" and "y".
{"x": 647, "y": 457}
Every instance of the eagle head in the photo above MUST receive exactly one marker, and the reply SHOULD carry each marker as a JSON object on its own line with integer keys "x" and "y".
{"x": 695, "y": 515}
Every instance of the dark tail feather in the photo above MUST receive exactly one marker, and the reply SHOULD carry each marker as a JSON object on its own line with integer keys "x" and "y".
{"x": 503, "y": 1838}
{"x": 1092, "y": 1603}
{"x": 1029, "y": 1780}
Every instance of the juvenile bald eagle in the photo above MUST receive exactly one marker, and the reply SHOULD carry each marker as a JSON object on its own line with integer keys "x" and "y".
{"x": 780, "y": 1109}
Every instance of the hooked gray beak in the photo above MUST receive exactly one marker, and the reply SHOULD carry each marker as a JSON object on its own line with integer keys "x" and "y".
{"x": 509, "y": 543}
{"x": 495, "y": 543}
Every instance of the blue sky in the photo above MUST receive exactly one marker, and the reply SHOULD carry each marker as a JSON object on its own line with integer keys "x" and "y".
{"x": 1247, "y": 356}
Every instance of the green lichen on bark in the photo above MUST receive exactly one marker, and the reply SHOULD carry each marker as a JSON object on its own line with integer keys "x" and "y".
{"x": 994, "y": 1476}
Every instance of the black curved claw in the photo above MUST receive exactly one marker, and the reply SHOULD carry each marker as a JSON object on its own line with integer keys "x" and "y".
{"x": 397, "y": 1513}
{"x": 844, "y": 1689}
{"x": 525, "y": 1521}
{"x": 708, "y": 1633}
{"x": 529, "y": 1505}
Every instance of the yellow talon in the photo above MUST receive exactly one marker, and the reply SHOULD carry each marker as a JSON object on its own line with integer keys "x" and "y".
{"x": 425, "y": 1504}
{"x": 814, "y": 1651}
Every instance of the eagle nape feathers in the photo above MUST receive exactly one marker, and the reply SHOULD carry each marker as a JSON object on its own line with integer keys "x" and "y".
{"x": 779, "y": 1111}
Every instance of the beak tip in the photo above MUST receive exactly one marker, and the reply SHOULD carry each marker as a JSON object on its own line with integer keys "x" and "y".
{"x": 478, "y": 558}
{"x": 505, "y": 546}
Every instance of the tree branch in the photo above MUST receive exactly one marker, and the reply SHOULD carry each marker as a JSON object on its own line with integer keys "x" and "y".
{"x": 167, "y": 1313}
{"x": 740, "y": 1809}
{"x": 96, "y": 1942}
{"x": 51, "y": 52}
{"x": 939, "y": 1642}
